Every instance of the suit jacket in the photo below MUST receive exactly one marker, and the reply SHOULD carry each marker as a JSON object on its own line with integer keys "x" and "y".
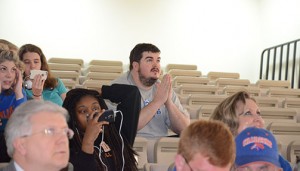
{"x": 9, "y": 167}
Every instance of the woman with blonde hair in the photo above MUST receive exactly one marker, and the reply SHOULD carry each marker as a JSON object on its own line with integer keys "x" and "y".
{"x": 240, "y": 111}
{"x": 12, "y": 93}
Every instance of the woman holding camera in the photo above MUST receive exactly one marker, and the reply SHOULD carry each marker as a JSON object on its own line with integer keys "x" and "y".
{"x": 42, "y": 86}
{"x": 97, "y": 145}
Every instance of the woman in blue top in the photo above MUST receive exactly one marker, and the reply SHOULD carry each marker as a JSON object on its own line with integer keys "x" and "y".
{"x": 11, "y": 93}
{"x": 51, "y": 89}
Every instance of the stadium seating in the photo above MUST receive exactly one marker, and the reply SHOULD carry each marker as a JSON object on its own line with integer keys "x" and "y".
{"x": 155, "y": 167}
{"x": 280, "y": 92}
{"x": 222, "y": 82}
{"x": 206, "y": 111}
{"x": 189, "y": 80}
{"x": 102, "y": 76}
{"x": 285, "y": 133}
{"x": 203, "y": 99}
{"x": 72, "y": 75}
{"x": 64, "y": 67}
{"x": 140, "y": 146}
{"x": 66, "y": 61}
{"x": 272, "y": 114}
{"x": 106, "y": 63}
{"x": 252, "y": 90}
{"x": 293, "y": 151}
{"x": 273, "y": 83}
{"x": 215, "y": 75}
{"x": 278, "y": 103}
{"x": 291, "y": 103}
{"x": 103, "y": 69}
{"x": 181, "y": 66}
{"x": 197, "y": 89}
{"x": 264, "y": 101}
{"x": 165, "y": 150}
{"x": 182, "y": 72}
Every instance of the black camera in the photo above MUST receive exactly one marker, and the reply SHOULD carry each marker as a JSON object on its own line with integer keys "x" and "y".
{"x": 108, "y": 115}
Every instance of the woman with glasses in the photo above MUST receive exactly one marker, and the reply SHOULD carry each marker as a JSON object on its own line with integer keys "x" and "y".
{"x": 102, "y": 145}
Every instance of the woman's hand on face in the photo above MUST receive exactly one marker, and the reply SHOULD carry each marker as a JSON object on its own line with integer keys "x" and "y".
{"x": 18, "y": 84}
{"x": 93, "y": 127}
{"x": 37, "y": 85}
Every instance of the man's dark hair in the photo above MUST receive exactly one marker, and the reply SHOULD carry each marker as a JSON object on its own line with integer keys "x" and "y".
{"x": 136, "y": 52}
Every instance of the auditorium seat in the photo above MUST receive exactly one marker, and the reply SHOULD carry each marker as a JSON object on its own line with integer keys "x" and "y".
{"x": 285, "y": 133}
{"x": 263, "y": 101}
{"x": 73, "y": 75}
{"x": 189, "y": 80}
{"x": 103, "y": 69}
{"x": 155, "y": 167}
{"x": 106, "y": 62}
{"x": 230, "y": 90}
{"x": 140, "y": 146}
{"x": 273, "y": 83}
{"x": 280, "y": 92}
{"x": 293, "y": 151}
{"x": 165, "y": 150}
{"x": 215, "y": 75}
{"x": 272, "y": 114}
{"x": 69, "y": 83}
{"x": 222, "y": 82}
{"x": 102, "y": 76}
{"x": 197, "y": 89}
{"x": 66, "y": 61}
{"x": 184, "y": 99}
{"x": 204, "y": 99}
{"x": 95, "y": 84}
{"x": 182, "y": 72}
{"x": 193, "y": 111}
{"x": 181, "y": 66}
{"x": 206, "y": 111}
{"x": 64, "y": 67}
{"x": 291, "y": 103}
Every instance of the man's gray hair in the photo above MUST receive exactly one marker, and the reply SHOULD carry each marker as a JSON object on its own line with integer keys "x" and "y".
{"x": 19, "y": 123}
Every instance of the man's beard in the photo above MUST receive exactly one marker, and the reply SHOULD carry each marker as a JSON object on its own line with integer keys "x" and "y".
{"x": 146, "y": 81}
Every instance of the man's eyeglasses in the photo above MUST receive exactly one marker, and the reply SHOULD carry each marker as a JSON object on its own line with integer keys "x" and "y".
{"x": 53, "y": 131}
{"x": 187, "y": 163}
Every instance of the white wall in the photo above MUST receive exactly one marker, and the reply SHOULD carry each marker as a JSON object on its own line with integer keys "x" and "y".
{"x": 280, "y": 21}
{"x": 216, "y": 35}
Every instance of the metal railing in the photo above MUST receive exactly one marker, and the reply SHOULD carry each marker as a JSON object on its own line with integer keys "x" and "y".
{"x": 282, "y": 62}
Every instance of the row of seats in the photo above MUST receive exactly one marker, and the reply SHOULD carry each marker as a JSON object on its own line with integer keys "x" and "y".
{"x": 162, "y": 151}
{"x": 74, "y": 74}
{"x": 263, "y": 101}
{"x": 200, "y": 94}
{"x": 165, "y": 148}
{"x": 200, "y": 86}
{"x": 74, "y": 69}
